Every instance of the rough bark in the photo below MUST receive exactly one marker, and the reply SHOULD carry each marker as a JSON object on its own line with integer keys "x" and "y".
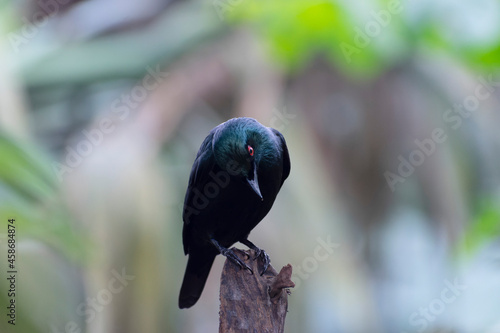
{"x": 250, "y": 302}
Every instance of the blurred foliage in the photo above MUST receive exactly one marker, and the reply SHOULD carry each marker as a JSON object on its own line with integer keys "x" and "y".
{"x": 359, "y": 45}
{"x": 484, "y": 228}
{"x": 299, "y": 30}
{"x": 30, "y": 194}
{"x": 6, "y": 16}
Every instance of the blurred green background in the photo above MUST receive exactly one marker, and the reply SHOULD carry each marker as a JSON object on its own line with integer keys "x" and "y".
{"x": 391, "y": 113}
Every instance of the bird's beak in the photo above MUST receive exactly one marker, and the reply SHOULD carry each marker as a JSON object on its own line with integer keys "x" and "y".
{"x": 254, "y": 183}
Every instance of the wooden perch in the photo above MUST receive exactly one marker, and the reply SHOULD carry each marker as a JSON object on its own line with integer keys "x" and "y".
{"x": 250, "y": 302}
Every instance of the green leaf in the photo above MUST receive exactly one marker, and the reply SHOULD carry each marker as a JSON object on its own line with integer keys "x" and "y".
{"x": 22, "y": 171}
{"x": 29, "y": 193}
{"x": 485, "y": 227}
{"x": 298, "y": 30}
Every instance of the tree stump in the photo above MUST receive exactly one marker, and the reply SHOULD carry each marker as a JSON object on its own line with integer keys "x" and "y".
{"x": 251, "y": 303}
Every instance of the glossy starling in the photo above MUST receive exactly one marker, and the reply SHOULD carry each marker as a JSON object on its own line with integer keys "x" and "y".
{"x": 238, "y": 171}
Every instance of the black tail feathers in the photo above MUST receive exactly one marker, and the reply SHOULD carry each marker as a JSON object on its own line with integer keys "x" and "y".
{"x": 195, "y": 277}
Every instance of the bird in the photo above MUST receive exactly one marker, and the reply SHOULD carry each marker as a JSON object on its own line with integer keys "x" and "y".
{"x": 237, "y": 173}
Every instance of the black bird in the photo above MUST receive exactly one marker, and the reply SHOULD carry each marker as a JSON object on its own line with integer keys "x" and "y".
{"x": 235, "y": 178}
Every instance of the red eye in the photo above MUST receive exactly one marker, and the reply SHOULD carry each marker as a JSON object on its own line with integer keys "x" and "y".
{"x": 250, "y": 150}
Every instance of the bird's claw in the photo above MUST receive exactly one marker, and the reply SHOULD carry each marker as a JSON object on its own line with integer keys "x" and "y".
{"x": 229, "y": 254}
{"x": 258, "y": 253}
{"x": 265, "y": 259}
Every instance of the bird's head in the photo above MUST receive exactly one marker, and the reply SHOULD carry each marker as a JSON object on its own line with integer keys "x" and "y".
{"x": 240, "y": 146}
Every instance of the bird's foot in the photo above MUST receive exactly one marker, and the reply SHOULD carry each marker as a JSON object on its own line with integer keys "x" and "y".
{"x": 229, "y": 254}
{"x": 265, "y": 259}
{"x": 259, "y": 253}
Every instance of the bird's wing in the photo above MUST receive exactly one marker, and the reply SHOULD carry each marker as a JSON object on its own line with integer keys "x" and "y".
{"x": 286, "y": 157}
{"x": 202, "y": 165}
